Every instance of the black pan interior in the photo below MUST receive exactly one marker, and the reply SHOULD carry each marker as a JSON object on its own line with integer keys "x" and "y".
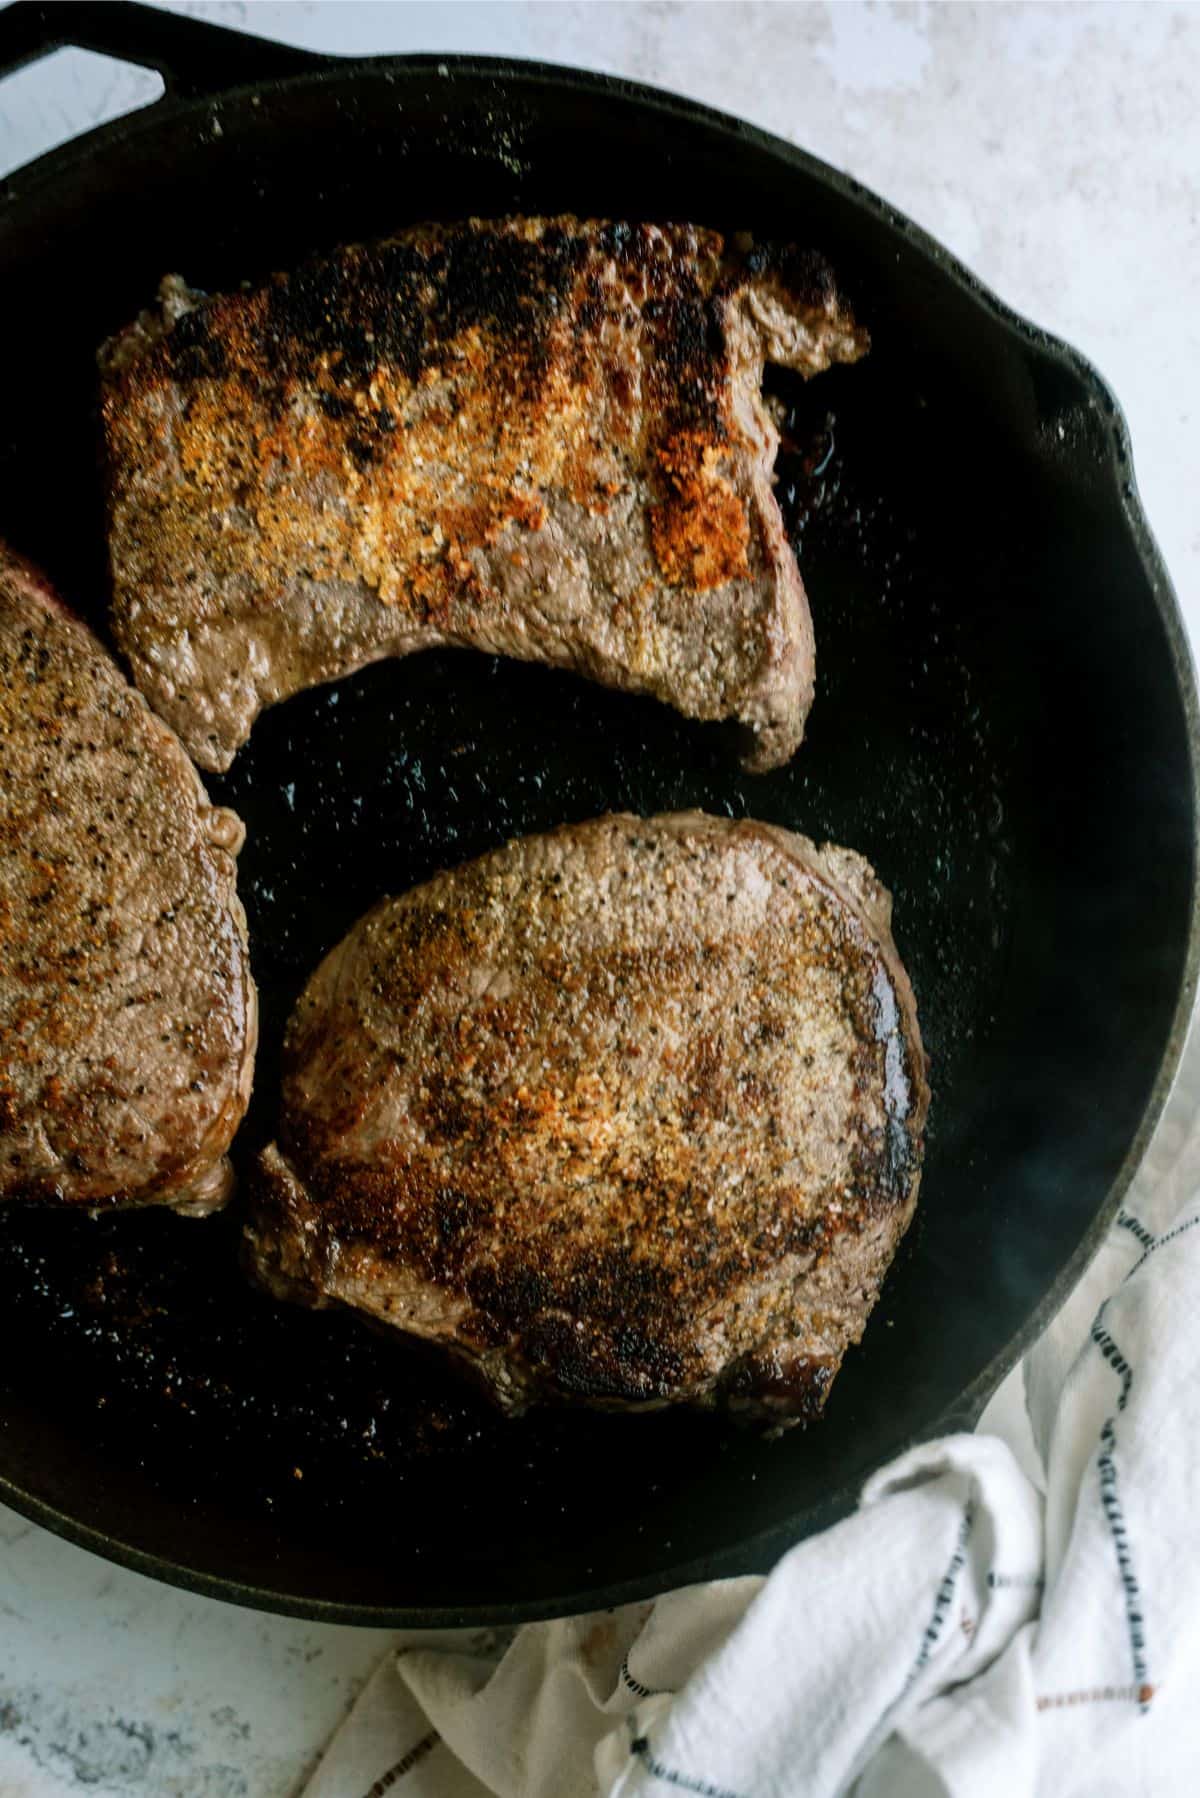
{"x": 1002, "y": 726}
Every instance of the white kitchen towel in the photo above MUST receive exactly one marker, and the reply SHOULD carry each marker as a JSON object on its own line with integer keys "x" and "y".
{"x": 971, "y": 1632}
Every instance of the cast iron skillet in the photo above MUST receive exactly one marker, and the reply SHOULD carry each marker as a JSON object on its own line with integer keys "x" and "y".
{"x": 1005, "y": 725}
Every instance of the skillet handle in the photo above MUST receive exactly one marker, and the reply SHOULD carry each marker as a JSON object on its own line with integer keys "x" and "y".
{"x": 194, "y": 58}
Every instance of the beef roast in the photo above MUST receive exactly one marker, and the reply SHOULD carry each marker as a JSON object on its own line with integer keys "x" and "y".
{"x": 542, "y": 438}
{"x": 629, "y": 1114}
{"x": 127, "y": 1011}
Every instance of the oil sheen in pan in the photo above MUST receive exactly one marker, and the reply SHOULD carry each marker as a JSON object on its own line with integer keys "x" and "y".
{"x": 143, "y": 1326}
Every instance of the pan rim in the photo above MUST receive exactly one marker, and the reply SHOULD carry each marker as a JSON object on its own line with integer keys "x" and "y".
{"x": 759, "y": 1551}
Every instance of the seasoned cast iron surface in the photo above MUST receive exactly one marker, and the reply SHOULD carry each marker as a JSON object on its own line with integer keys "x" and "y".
{"x": 144, "y": 1326}
{"x": 1004, "y": 724}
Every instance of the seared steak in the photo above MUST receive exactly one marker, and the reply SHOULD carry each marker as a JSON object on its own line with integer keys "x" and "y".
{"x": 127, "y": 1011}
{"x": 629, "y": 1114}
{"x": 542, "y": 438}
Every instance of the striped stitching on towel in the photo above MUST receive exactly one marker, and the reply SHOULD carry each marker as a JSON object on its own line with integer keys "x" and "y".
{"x": 635, "y": 1685}
{"x": 944, "y": 1598}
{"x": 1115, "y": 1359}
{"x": 1150, "y": 1243}
{"x": 405, "y": 1764}
{"x": 1056, "y": 1701}
{"x": 1160, "y": 1242}
{"x": 684, "y": 1782}
{"x": 1136, "y": 1228}
{"x": 1135, "y": 1621}
{"x": 1110, "y": 1501}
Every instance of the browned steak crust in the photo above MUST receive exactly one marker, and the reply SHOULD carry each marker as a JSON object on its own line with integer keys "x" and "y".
{"x": 127, "y": 1011}
{"x": 627, "y": 1114}
{"x": 539, "y": 437}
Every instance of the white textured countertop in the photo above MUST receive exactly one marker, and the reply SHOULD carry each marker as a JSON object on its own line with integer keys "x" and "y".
{"x": 1056, "y": 149}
